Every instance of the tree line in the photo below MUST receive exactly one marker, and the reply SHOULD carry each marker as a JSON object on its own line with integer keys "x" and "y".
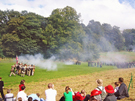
{"x": 60, "y": 34}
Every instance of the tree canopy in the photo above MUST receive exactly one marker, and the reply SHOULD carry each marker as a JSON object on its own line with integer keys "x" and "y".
{"x": 60, "y": 34}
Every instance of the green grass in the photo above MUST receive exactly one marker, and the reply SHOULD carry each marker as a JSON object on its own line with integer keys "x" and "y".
{"x": 43, "y": 75}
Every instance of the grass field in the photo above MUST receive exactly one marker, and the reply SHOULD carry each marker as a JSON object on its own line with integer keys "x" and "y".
{"x": 43, "y": 75}
{"x": 78, "y": 77}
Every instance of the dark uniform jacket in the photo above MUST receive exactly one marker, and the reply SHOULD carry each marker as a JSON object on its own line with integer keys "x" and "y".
{"x": 122, "y": 92}
{"x": 1, "y": 85}
{"x": 110, "y": 97}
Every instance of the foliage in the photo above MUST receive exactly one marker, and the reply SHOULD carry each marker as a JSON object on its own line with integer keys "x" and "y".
{"x": 61, "y": 34}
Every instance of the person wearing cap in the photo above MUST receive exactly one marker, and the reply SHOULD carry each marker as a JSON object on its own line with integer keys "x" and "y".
{"x": 101, "y": 88}
{"x": 95, "y": 95}
{"x": 122, "y": 92}
{"x": 9, "y": 96}
{"x": 110, "y": 94}
{"x": 1, "y": 88}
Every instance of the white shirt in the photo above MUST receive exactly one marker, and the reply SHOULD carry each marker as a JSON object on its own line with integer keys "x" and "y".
{"x": 22, "y": 95}
{"x": 50, "y": 94}
{"x": 116, "y": 88}
{"x": 9, "y": 97}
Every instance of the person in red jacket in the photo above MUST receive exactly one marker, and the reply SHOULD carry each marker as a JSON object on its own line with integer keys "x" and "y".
{"x": 79, "y": 96}
{"x": 21, "y": 84}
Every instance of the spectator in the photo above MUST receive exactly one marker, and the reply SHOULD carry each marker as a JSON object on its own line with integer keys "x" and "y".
{"x": 68, "y": 94}
{"x": 110, "y": 94}
{"x": 79, "y": 96}
{"x": 30, "y": 99}
{"x": 9, "y": 96}
{"x": 50, "y": 93}
{"x": 95, "y": 95}
{"x": 22, "y": 94}
{"x": 122, "y": 92}
{"x": 101, "y": 88}
{"x": 19, "y": 99}
{"x": 35, "y": 96}
{"x": 1, "y": 88}
{"x": 116, "y": 86}
{"x": 22, "y": 83}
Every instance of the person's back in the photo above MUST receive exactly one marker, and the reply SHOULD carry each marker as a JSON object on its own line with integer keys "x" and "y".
{"x": 35, "y": 96}
{"x": 101, "y": 88}
{"x": 68, "y": 94}
{"x": 122, "y": 92}
{"x": 9, "y": 96}
{"x": 110, "y": 94}
{"x": 22, "y": 94}
{"x": 50, "y": 93}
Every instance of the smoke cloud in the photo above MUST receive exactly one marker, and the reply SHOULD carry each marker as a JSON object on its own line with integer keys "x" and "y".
{"x": 38, "y": 60}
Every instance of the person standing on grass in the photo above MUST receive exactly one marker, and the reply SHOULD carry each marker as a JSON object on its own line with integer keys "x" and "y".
{"x": 1, "y": 88}
{"x": 22, "y": 83}
{"x": 50, "y": 93}
{"x": 122, "y": 92}
{"x": 68, "y": 94}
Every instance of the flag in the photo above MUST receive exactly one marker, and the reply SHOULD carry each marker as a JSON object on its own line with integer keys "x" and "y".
{"x": 16, "y": 59}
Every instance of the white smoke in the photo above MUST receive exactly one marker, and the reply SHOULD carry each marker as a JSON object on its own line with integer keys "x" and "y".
{"x": 38, "y": 60}
{"x": 69, "y": 62}
{"x": 111, "y": 57}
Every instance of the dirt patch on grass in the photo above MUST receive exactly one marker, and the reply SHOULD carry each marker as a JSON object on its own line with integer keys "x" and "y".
{"x": 77, "y": 83}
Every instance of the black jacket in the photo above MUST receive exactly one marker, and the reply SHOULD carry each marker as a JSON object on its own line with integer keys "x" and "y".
{"x": 1, "y": 85}
{"x": 122, "y": 92}
{"x": 110, "y": 97}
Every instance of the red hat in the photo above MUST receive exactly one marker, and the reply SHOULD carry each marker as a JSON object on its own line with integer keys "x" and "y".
{"x": 95, "y": 92}
{"x": 109, "y": 89}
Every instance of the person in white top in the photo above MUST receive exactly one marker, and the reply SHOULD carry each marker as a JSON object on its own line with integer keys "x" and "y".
{"x": 50, "y": 93}
{"x": 9, "y": 96}
{"x": 116, "y": 86}
{"x": 22, "y": 94}
{"x": 101, "y": 88}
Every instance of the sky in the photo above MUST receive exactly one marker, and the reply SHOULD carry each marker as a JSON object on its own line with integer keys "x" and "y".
{"x": 119, "y": 13}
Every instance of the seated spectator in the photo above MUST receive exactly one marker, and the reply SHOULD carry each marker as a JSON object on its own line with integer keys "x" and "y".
{"x": 68, "y": 94}
{"x": 35, "y": 96}
{"x": 19, "y": 99}
{"x": 30, "y": 99}
{"x": 50, "y": 93}
{"x": 22, "y": 83}
{"x": 122, "y": 92}
{"x": 79, "y": 96}
{"x": 95, "y": 95}
{"x": 116, "y": 86}
{"x": 110, "y": 94}
{"x": 1, "y": 99}
{"x": 101, "y": 88}
{"x": 9, "y": 96}
{"x": 22, "y": 94}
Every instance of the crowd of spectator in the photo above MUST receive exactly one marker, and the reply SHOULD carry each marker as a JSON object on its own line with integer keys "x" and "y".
{"x": 107, "y": 93}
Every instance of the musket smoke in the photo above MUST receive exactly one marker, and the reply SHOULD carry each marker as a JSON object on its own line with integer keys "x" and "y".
{"x": 39, "y": 61}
